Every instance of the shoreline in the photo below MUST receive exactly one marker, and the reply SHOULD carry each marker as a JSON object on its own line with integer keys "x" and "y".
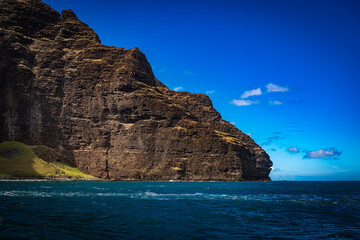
{"x": 13, "y": 179}
{"x": 65, "y": 179}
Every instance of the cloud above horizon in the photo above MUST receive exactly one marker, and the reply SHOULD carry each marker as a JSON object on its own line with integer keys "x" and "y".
{"x": 275, "y": 102}
{"x": 327, "y": 153}
{"x": 294, "y": 149}
{"x": 275, "y": 170}
{"x": 178, "y": 89}
{"x": 257, "y": 92}
{"x": 253, "y": 92}
{"x": 274, "y": 137}
{"x": 242, "y": 102}
{"x": 209, "y": 92}
{"x": 275, "y": 88}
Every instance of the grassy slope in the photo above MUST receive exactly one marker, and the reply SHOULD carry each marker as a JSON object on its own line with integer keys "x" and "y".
{"x": 19, "y": 160}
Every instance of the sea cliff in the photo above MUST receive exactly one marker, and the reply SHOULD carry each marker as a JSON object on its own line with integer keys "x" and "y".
{"x": 102, "y": 108}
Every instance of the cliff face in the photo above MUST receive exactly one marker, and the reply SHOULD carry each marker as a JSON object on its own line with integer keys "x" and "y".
{"x": 103, "y": 108}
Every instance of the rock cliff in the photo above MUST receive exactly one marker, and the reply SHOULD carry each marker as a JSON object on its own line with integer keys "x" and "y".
{"x": 103, "y": 108}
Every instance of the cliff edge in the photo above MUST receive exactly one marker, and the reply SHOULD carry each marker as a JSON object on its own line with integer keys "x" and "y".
{"x": 104, "y": 110}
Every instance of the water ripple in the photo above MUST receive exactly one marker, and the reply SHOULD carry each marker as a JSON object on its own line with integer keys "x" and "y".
{"x": 158, "y": 210}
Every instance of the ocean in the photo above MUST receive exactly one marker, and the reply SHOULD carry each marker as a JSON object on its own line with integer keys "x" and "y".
{"x": 179, "y": 210}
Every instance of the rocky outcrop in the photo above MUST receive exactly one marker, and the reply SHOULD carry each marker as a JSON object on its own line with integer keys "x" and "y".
{"x": 103, "y": 108}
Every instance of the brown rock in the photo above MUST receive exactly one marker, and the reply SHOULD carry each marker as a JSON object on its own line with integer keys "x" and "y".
{"x": 104, "y": 109}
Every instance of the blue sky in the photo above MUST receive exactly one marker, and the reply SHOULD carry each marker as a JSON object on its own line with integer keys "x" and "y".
{"x": 287, "y": 72}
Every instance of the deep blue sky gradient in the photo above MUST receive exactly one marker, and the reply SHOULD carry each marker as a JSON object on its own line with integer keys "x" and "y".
{"x": 225, "y": 48}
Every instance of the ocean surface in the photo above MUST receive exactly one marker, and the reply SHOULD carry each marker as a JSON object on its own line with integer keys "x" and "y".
{"x": 179, "y": 210}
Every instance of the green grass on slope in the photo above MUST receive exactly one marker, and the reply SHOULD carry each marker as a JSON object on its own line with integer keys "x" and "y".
{"x": 19, "y": 160}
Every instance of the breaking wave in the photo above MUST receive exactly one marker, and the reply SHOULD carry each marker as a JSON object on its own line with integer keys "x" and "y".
{"x": 179, "y": 210}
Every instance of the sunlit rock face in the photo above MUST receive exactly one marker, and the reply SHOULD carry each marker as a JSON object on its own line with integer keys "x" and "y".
{"x": 103, "y": 108}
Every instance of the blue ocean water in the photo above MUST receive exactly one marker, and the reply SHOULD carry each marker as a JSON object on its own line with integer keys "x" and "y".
{"x": 179, "y": 210}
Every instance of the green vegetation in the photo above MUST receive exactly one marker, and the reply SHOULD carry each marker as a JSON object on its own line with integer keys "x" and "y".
{"x": 19, "y": 160}
{"x": 93, "y": 60}
{"x": 179, "y": 128}
{"x": 229, "y": 138}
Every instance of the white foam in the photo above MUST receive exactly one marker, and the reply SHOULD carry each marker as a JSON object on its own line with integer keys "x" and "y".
{"x": 174, "y": 196}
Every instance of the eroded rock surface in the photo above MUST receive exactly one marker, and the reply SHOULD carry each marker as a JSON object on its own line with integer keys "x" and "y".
{"x": 103, "y": 108}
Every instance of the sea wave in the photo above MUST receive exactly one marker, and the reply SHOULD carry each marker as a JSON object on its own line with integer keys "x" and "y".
{"x": 180, "y": 210}
{"x": 299, "y": 199}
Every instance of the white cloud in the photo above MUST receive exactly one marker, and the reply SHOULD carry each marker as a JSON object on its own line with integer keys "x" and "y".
{"x": 275, "y": 170}
{"x": 233, "y": 123}
{"x": 189, "y": 73}
{"x": 275, "y": 102}
{"x": 210, "y": 92}
{"x": 293, "y": 149}
{"x": 275, "y": 88}
{"x": 254, "y": 92}
{"x": 178, "y": 89}
{"x": 320, "y": 153}
{"x": 329, "y": 153}
{"x": 242, "y": 102}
